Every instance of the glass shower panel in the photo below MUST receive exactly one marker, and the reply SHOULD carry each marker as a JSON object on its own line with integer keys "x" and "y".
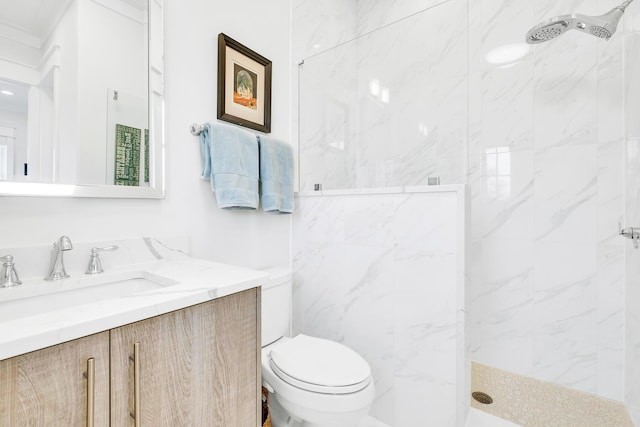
{"x": 328, "y": 108}
{"x": 387, "y": 109}
{"x": 632, "y": 211}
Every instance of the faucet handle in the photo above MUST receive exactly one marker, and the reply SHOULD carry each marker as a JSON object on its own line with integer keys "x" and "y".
{"x": 95, "y": 265}
{"x": 8, "y": 274}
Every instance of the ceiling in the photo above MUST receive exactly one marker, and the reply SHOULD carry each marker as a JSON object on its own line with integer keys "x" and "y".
{"x": 38, "y": 17}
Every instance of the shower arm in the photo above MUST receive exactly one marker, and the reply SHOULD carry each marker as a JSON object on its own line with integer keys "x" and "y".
{"x": 624, "y": 5}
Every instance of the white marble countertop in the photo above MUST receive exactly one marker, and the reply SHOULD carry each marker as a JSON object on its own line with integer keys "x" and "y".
{"x": 196, "y": 281}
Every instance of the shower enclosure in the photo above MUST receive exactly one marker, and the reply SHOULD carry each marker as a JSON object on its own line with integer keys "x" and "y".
{"x": 546, "y": 140}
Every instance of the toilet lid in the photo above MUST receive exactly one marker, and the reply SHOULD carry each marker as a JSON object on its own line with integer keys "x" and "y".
{"x": 320, "y": 365}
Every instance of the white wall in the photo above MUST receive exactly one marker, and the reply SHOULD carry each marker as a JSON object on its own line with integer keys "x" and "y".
{"x": 245, "y": 238}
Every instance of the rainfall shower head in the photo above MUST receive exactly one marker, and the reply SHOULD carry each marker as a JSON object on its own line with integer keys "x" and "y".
{"x": 602, "y": 26}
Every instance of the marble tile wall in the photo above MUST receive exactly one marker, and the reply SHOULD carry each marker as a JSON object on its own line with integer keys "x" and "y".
{"x": 388, "y": 108}
{"x": 374, "y": 14}
{"x": 381, "y": 273}
{"x": 321, "y": 25}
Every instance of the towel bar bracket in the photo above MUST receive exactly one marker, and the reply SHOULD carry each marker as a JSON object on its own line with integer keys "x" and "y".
{"x": 196, "y": 129}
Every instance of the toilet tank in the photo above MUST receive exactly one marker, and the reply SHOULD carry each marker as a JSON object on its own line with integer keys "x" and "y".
{"x": 276, "y": 305}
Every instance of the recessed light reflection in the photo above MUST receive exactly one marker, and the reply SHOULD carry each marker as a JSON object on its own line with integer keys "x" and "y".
{"x": 384, "y": 96}
{"x": 507, "y": 54}
{"x": 498, "y": 170}
{"x": 6, "y": 92}
{"x": 377, "y": 90}
{"x": 423, "y": 129}
{"x": 374, "y": 87}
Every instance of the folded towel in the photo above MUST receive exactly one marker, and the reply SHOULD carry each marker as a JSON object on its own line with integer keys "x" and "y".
{"x": 276, "y": 175}
{"x": 230, "y": 161}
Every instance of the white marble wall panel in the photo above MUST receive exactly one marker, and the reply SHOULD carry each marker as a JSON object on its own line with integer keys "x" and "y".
{"x": 611, "y": 85}
{"x": 632, "y": 328}
{"x": 565, "y": 192}
{"x": 566, "y": 88}
{"x": 501, "y": 310}
{"x": 321, "y": 25}
{"x": 380, "y": 273}
{"x": 610, "y": 321}
{"x": 565, "y": 313}
{"x": 632, "y": 59}
{"x": 374, "y": 14}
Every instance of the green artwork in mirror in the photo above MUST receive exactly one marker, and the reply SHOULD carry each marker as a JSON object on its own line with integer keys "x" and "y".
{"x": 146, "y": 155}
{"x": 127, "y": 167}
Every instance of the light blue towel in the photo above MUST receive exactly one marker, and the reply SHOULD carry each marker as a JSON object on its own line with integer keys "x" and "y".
{"x": 230, "y": 161}
{"x": 276, "y": 175}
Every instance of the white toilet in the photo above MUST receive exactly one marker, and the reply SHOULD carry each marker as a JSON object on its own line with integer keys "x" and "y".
{"x": 312, "y": 382}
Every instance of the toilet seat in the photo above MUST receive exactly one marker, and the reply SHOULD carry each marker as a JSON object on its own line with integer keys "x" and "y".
{"x": 320, "y": 366}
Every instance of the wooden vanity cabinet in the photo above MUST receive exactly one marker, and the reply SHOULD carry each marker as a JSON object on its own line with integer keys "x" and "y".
{"x": 198, "y": 366}
{"x": 52, "y": 386}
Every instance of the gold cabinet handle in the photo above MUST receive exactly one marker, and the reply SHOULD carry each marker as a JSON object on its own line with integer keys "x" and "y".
{"x": 91, "y": 385}
{"x": 136, "y": 384}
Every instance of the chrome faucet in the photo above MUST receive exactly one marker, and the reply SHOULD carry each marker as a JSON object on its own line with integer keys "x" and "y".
{"x": 8, "y": 274}
{"x": 95, "y": 266}
{"x": 56, "y": 270}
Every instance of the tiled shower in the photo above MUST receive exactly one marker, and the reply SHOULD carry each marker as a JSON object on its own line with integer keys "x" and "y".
{"x": 544, "y": 149}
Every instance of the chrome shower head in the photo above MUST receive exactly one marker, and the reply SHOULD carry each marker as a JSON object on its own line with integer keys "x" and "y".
{"x": 549, "y": 30}
{"x": 603, "y": 26}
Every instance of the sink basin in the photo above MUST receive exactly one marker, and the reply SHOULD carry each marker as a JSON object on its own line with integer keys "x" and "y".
{"x": 37, "y": 298}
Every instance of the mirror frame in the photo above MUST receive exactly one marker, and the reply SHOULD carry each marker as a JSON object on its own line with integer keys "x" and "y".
{"x": 155, "y": 83}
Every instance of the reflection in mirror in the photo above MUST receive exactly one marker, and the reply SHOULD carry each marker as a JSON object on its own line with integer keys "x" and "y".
{"x": 74, "y": 93}
{"x": 13, "y": 123}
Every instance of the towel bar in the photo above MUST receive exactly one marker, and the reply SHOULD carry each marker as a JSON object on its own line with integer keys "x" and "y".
{"x": 196, "y": 129}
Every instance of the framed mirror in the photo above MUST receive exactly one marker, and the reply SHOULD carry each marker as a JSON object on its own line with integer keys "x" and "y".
{"x": 81, "y": 98}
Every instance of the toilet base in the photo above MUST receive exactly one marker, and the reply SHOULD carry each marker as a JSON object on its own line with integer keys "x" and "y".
{"x": 282, "y": 418}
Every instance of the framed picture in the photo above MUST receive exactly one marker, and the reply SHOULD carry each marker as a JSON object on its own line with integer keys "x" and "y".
{"x": 244, "y": 85}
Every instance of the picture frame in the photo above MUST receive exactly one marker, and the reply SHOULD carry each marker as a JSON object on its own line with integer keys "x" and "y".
{"x": 244, "y": 85}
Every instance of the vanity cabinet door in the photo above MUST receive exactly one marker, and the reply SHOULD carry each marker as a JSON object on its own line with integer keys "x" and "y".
{"x": 53, "y": 387}
{"x": 237, "y": 379}
{"x": 193, "y": 367}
